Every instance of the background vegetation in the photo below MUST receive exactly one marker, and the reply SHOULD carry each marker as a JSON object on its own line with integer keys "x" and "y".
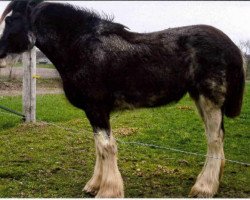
{"x": 38, "y": 65}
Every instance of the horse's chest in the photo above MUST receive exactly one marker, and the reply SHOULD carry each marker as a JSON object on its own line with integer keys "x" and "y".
{"x": 74, "y": 92}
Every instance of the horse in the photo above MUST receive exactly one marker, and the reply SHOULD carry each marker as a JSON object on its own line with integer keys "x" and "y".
{"x": 104, "y": 66}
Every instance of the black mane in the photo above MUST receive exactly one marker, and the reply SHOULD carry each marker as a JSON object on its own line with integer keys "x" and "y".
{"x": 86, "y": 12}
{"x": 75, "y": 19}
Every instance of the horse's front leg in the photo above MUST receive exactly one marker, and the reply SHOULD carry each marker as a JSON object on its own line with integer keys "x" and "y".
{"x": 111, "y": 183}
{"x": 106, "y": 181}
{"x": 93, "y": 185}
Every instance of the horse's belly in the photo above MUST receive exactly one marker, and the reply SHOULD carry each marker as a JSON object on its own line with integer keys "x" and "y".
{"x": 139, "y": 99}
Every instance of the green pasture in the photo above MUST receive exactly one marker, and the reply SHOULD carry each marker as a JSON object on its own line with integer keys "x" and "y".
{"x": 38, "y": 65}
{"x": 41, "y": 160}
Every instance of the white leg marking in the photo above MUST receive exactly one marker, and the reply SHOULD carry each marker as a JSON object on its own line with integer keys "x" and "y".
{"x": 207, "y": 182}
{"x": 111, "y": 182}
{"x": 94, "y": 183}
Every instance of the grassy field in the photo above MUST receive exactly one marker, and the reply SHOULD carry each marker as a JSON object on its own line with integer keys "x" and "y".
{"x": 50, "y": 66}
{"x": 39, "y": 160}
{"x": 248, "y": 71}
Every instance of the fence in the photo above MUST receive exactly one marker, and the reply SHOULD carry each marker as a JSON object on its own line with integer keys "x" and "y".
{"x": 29, "y": 88}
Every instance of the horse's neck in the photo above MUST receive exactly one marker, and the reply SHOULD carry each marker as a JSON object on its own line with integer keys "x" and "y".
{"x": 55, "y": 50}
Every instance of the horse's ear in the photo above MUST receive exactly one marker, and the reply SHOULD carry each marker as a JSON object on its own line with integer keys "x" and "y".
{"x": 31, "y": 4}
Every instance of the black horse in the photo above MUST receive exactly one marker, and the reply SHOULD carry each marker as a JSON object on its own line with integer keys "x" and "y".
{"x": 104, "y": 66}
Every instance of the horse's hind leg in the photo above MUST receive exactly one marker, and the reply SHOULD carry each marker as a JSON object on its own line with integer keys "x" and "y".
{"x": 207, "y": 182}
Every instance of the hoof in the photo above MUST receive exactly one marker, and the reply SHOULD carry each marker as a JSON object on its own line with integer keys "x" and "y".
{"x": 114, "y": 190}
{"x": 110, "y": 194}
{"x": 202, "y": 191}
{"x": 91, "y": 189}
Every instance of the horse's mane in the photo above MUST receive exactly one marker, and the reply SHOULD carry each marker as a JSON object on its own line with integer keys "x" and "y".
{"x": 89, "y": 13}
{"x": 88, "y": 19}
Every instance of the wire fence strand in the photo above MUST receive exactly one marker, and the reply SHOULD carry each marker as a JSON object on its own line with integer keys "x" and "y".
{"x": 154, "y": 146}
{"x": 75, "y": 131}
{"x": 7, "y": 113}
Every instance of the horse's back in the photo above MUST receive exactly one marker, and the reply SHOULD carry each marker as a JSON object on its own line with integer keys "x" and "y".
{"x": 199, "y": 59}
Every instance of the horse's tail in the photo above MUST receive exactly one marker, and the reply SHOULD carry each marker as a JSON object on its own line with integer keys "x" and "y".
{"x": 236, "y": 76}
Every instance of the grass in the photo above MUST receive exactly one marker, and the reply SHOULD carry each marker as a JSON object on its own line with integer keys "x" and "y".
{"x": 50, "y": 66}
{"x": 39, "y": 160}
{"x": 248, "y": 71}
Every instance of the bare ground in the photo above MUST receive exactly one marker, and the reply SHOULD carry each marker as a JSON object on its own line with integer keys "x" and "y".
{"x": 38, "y": 91}
{"x": 17, "y": 72}
{"x": 44, "y": 86}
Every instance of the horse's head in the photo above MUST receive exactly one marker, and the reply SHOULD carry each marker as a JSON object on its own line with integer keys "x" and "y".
{"x": 17, "y": 35}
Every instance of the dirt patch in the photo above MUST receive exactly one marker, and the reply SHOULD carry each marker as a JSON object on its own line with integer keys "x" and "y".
{"x": 17, "y": 72}
{"x": 48, "y": 83}
{"x": 6, "y": 85}
{"x": 44, "y": 86}
{"x": 125, "y": 131}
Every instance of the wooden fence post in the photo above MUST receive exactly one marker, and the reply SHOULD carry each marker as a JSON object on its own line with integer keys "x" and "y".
{"x": 29, "y": 85}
